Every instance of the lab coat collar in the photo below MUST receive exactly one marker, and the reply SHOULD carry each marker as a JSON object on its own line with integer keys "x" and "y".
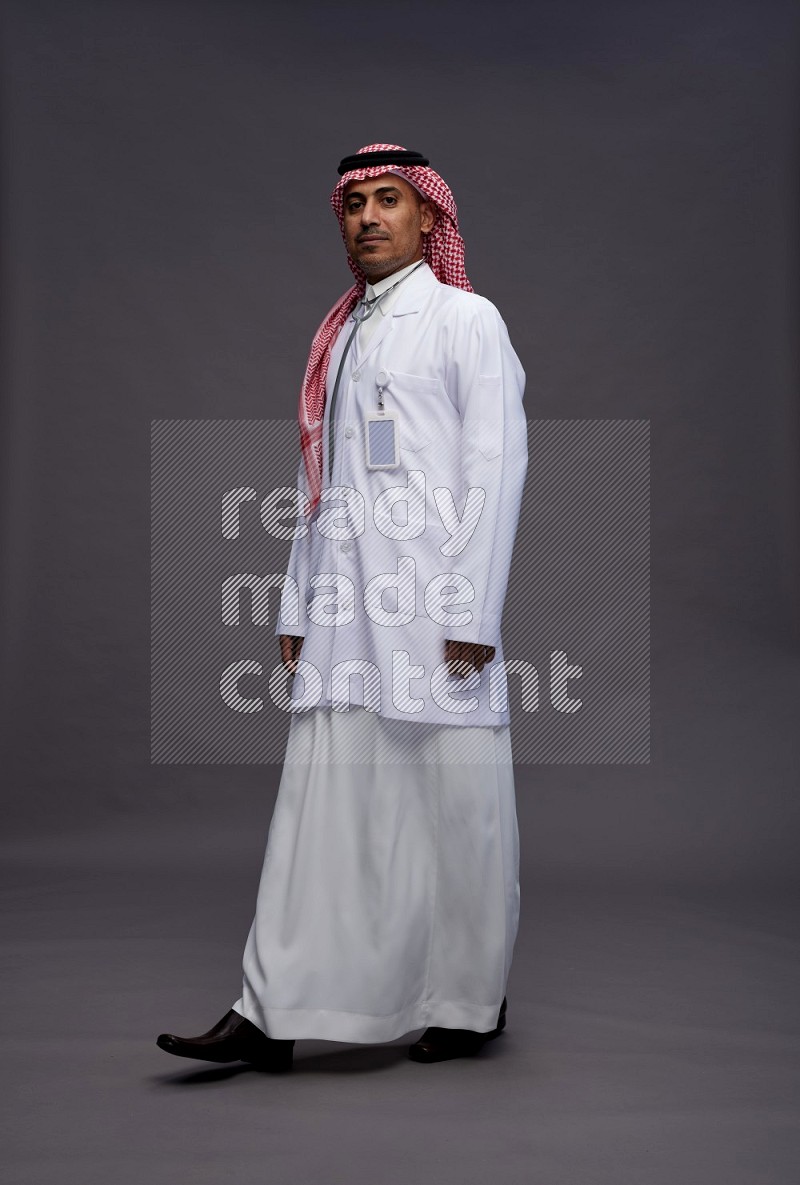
{"x": 411, "y": 292}
{"x": 411, "y": 296}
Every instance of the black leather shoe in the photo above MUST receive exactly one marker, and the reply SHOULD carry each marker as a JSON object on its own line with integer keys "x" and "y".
{"x": 439, "y": 1045}
{"x": 234, "y": 1038}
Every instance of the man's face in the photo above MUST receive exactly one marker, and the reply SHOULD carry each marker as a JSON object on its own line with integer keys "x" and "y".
{"x": 384, "y": 221}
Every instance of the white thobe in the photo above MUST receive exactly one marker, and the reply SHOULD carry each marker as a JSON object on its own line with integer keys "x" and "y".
{"x": 389, "y": 893}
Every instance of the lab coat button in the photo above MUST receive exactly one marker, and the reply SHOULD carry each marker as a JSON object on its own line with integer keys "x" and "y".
{"x": 348, "y": 432}
{"x": 346, "y": 545}
{"x": 356, "y": 376}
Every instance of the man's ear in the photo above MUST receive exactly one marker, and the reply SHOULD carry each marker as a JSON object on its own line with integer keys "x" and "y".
{"x": 427, "y": 216}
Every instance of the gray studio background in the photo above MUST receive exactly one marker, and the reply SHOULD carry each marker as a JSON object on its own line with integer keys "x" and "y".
{"x": 626, "y": 177}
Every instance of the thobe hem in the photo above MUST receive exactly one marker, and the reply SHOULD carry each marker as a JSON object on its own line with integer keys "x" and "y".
{"x": 391, "y": 886}
{"x": 286, "y": 1024}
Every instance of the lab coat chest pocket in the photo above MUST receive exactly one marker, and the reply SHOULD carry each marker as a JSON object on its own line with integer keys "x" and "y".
{"x": 416, "y": 398}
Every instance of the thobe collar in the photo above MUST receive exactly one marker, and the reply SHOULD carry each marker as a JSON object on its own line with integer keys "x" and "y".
{"x": 407, "y": 297}
{"x": 381, "y": 286}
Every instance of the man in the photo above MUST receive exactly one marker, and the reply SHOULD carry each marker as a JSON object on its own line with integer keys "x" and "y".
{"x": 389, "y": 895}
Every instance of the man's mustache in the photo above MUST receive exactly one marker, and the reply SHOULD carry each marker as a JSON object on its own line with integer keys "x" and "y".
{"x": 370, "y": 234}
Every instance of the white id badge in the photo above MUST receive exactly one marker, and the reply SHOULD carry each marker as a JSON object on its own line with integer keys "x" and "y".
{"x": 381, "y": 440}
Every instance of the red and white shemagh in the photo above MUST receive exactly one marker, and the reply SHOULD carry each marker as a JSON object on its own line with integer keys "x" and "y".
{"x": 443, "y": 252}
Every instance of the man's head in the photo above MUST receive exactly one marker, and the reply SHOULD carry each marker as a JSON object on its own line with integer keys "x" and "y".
{"x": 384, "y": 221}
{"x": 442, "y": 246}
{"x": 402, "y": 231}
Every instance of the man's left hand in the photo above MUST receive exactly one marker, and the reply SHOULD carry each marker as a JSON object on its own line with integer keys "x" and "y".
{"x": 459, "y": 656}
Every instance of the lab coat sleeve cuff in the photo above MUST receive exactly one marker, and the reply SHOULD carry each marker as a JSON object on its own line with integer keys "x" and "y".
{"x": 294, "y": 631}
{"x": 485, "y": 632}
{"x": 292, "y": 616}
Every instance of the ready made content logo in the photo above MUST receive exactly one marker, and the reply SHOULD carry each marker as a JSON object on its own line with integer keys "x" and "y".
{"x": 414, "y": 600}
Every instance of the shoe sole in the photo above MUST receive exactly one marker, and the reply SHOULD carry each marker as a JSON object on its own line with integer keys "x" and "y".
{"x": 418, "y": 1054}
{"x": 168, "y": 1046}
{"x": 277, "y": 1062}
{"x": 276, "y": 1067}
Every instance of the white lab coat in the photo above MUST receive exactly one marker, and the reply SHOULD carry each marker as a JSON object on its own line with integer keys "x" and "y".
{"x": 448, "y": 369}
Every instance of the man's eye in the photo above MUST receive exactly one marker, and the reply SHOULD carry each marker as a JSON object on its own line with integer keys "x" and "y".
{"x": 391, "y": 200}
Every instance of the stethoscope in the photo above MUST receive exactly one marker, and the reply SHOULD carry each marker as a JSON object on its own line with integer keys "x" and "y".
{"x": 369, "y": 306}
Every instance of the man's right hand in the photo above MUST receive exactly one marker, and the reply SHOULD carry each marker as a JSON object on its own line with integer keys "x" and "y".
{"x": 290, "y": 651}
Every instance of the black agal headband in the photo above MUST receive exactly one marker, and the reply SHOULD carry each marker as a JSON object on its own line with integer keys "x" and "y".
{"x": 366, "y": 160}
